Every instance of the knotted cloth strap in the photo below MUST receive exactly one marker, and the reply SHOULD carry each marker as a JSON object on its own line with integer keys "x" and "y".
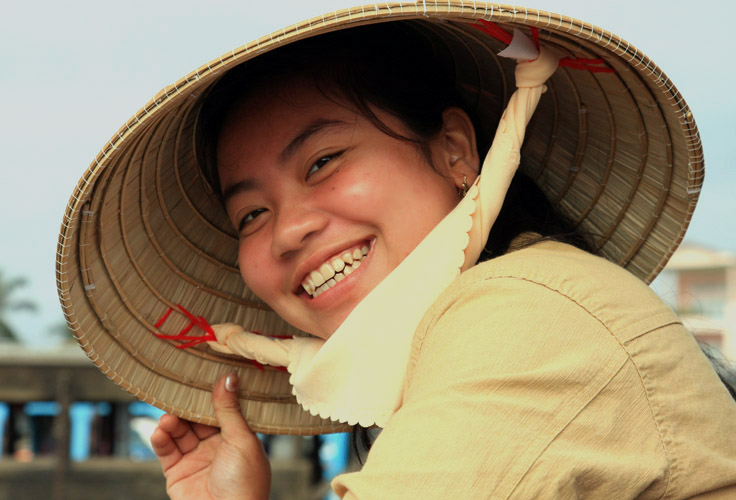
{"x": 234, "y": 339}
{"x": 502, "y": 160}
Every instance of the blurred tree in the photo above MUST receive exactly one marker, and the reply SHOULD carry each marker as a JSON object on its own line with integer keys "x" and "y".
{"x": 61, "y": 331}
{"x": 10, "y": 304}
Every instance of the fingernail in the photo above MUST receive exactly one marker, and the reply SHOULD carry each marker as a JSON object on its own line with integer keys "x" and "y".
{"x": 231, "y": 382}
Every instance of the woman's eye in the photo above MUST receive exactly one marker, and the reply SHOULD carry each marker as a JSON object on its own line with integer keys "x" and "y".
{"x": 250, "y": 217}
{"x": 317, "y": 165}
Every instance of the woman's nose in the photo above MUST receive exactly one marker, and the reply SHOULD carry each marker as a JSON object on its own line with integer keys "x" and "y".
{"x": 293, "y": 227}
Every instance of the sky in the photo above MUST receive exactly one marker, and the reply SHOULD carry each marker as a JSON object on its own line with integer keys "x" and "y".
{"x": 71, "y": 73}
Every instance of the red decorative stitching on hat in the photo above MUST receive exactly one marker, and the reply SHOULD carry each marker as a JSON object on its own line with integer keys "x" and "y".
{"x": 209, "y": 335}
{"x": 493, "y": 29}
{"x": 535, "y": 36}
{"x": 198, "y": 321}
{"x": 592, "y": 65}
{"x": 586, "y": 64}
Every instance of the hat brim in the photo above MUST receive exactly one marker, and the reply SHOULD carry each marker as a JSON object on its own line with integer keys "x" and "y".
{"x": 618, "y": 152}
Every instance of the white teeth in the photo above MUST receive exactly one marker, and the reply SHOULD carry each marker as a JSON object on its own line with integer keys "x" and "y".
{"x": 326, "y": 271}
{"x": 317, "y": 278}
{"x": 331, "y": 273}
{"x": 338, "y": 264}
{"x": 308, "y": 286}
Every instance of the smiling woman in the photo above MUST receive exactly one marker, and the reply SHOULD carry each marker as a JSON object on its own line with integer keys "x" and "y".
{"x": 381, "y": 122}
{"x": 334, "y": 193}
{"x": 427, "y": 286}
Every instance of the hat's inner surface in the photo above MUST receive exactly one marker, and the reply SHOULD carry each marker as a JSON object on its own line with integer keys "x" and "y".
{"x": 606, "y": 148}
{"x": 180, "y": 243}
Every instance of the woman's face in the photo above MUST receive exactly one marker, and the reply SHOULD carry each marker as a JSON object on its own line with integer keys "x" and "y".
{"x": 326, "y": 205}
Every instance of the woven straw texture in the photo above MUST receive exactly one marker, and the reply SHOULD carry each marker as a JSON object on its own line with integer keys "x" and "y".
{"x": 143, "y": 231}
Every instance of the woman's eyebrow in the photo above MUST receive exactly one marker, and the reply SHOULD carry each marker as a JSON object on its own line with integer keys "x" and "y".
{"x": 318, "y": 126}
{"x": 237, "y": 188}
{"x": 315, "y": 127}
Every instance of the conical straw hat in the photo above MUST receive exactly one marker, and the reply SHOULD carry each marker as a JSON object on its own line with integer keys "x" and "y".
{"x": 143, "y": 232}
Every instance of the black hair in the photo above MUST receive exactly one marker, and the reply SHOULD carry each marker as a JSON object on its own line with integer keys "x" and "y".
{"x": 392, "y": 67}
{"x": 387, "y": 66}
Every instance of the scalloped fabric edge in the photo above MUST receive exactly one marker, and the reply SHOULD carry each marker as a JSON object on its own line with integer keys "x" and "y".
{"x": 357, "y": 375}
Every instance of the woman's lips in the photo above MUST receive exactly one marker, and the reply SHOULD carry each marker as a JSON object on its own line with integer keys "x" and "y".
{"x": 334, "y": 270}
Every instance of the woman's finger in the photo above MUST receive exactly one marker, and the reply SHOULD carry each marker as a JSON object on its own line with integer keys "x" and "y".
{"x": 227, "y": 410}
{"x": 242, "y": 464}
{"x": 182, "y": 433}
{"x": 165, "y": 448}
{"x": 204, "y": 431}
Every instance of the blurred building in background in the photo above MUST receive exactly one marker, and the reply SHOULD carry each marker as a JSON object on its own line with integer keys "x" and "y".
{"x": 69, "y": 433}
{"x": 699, "y": 284}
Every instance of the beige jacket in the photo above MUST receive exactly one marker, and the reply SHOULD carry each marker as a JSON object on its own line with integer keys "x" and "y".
{"x": 551, "y": 373}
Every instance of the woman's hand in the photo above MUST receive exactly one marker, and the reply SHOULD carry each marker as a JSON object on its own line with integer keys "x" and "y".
{"x": 203, "y": 462}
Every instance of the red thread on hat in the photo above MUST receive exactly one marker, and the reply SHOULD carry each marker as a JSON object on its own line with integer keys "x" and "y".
{"x": 494, "y": 30}
{"x": 163, "y": 318}
{"x": 535, "y": 36}
{"x": 592, "y": 65}
{"x": 199, "y": 322}
{"x": 586, "y": 64}
{"x": 209, "y": 335}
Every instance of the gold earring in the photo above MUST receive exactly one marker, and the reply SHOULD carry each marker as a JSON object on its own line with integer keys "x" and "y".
{"x": 462, "y": 191}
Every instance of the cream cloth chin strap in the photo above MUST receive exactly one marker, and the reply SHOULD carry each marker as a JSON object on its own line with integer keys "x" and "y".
{"x": 357, "y": 375}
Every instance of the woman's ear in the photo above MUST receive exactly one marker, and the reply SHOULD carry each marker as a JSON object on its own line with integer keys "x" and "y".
{"x": 458, "y": 146}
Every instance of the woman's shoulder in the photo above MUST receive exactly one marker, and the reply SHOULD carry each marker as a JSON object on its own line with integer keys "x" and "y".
{"x": 553, "y": 318}
{"x": 553, "y": 333}
{"x": 548, "y": 294}
{"x": 548, "y": 290}
{"x": 515, "y": 354}
{"x": 624, "y": 304}
{"x": 556, "y": 265}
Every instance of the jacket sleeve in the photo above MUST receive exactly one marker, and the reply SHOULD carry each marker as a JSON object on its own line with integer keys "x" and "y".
{"x": 515, "y": 391}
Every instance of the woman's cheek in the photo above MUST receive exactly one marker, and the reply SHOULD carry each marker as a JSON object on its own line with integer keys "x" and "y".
{"x": 360, "y": 191}
{"x": 252, "y": 261}
{"x": 349, "y": 192}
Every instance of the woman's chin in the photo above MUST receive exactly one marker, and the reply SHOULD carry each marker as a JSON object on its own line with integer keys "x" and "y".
{"x": 324, "y": 325}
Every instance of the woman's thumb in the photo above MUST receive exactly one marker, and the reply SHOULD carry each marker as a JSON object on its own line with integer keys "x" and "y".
{"x": 227, "y": 409}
